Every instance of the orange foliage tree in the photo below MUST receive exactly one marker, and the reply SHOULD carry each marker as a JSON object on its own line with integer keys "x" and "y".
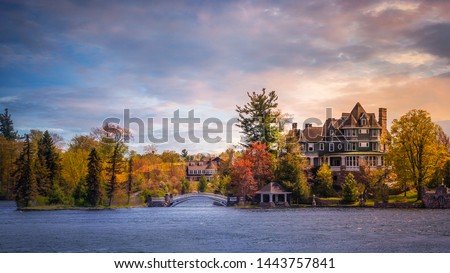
{"x": 262, "y": 163}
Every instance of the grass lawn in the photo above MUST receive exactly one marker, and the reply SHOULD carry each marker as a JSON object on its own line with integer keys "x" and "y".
{"x": 411, "y": 197}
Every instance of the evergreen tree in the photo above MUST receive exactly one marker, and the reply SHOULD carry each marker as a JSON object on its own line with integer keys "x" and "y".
{"x": 258, "y": 118}
{"x": 324, "y": 181}
{"x": 26, "y": 182}
{"x": 130, "y": 178}
{"x": 290, "y": 173}
{"x": 48, "y": 167}
{"x": 6, "y": 126}
{"x": 115, "y": 168}
{"x": 93, "y": 179}
{"x": 349, "y": 191}
{"x": 202, "y": 184}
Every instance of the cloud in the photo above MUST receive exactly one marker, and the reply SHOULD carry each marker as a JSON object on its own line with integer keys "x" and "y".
{"x": 8, "y": 99}
{"x": 71, "y": 64}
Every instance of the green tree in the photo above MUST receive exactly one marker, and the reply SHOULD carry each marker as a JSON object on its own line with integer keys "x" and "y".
{"x": 7, "y": 127}
{"x": 224, "y": 184}
{"x": 80, "y": 194}
{"x": 414, "y": 149}
{"x": 93, "y": 179}
{"x": 258, "y": 118}
{"x": 202, "y": 184}
{"x": 26, "y": 182}
{"x": 185, "y": 186}
{"x": 115, "y": 168}
{"x": 48, "y": 169}
{"x": 291, "y": 174}
{"x": 324, "y": 181}
{"x": 349, "y": 191}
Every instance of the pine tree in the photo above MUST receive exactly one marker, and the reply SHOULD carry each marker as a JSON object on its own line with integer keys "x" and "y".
{"x": 48, "y": 168}
{"x": 26, "y": 182}
{"x": 93, "y": 178}
{"x": 115, "y": 167}
{"x": 258, "y": 118}
{"x": 130, "y": 178}
{"x": 349, "y": 191}
{"x": 6, "y": 126}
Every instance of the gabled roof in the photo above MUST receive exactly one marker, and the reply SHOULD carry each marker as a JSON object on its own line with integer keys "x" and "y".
{"x": 272, "y": 187}
{"x": 311, "y": 134}
{"x": 353, "y": 118}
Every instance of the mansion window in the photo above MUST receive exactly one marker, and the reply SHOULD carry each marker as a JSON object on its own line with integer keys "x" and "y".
{"x": 364, "y": 131}
{"x": 363, "y": 122}
{"x": 321, "y": 146}
{"x": 375, "y": 146}
{"x": 351, "y": 132}
{"x": 310, "y": 147}
{"x": 200, "y": 163}
{"x": 351, "y": 161}
{"x": 351, "y": 146}
{"x": 364, "y": 144}
{"x": 331, "y": 147}
{"x": 372, "y": 161}
{"x": 375, "y": 133}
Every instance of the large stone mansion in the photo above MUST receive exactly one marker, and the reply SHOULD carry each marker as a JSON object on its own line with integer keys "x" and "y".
{"x": 347, "y": 143}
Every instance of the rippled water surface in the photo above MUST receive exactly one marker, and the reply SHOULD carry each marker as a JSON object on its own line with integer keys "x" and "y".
{"x": 198, "y": 226}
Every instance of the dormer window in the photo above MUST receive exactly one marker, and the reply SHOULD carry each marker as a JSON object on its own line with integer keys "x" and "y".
{"x": 363, "y": 122}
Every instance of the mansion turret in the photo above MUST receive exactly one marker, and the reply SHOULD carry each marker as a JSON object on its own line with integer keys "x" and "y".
{"x": 347, "y": 143}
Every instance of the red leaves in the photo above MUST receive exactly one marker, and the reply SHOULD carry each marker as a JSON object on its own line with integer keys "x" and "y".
{"x": 253, "y": 170}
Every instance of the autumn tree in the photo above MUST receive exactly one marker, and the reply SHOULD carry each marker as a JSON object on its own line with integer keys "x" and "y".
{"x": 414, "y": 149}
{"x": 324, "y": 181}
{"x": 26, "y": 182}
{"x": 93, "y": 179}
{"x": 258, "y": 118}
{"x": 291, "y": 174}
{"x": 261, "y": 163}
{"x": 9, "y": 152}
{"x": 242, "y": 180}
{"x": 349, "y": 190}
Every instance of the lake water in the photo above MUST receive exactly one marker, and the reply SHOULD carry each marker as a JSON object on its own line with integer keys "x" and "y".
{"x": 199, "y": 226}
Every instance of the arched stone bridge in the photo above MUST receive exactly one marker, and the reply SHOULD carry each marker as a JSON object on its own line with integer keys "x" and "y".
{"x": 219, "y": 199}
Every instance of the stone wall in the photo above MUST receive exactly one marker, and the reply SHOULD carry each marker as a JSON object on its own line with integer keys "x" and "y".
{"x": 440, "y": 199}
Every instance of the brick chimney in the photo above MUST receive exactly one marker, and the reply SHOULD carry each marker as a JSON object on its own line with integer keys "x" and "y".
{"x": 382, "y": 120}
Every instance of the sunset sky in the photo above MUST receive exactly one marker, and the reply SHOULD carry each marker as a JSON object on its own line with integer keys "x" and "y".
{"x": 65, "y": 66}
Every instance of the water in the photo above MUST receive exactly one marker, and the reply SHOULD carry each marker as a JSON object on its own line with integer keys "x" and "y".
{"x": 198, "y": 226}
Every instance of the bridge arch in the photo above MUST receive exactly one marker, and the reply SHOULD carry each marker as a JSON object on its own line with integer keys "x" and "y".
{"x": 219, "y": 199}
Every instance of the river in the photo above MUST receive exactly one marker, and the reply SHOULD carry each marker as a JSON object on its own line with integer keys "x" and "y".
{"x": 199, "y": 226}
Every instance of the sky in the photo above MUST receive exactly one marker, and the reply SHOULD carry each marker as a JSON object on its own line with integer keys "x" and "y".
{"x": 66, "y": 66}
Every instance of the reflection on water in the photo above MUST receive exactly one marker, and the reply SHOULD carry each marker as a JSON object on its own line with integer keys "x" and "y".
{"x": 199, "y": 226}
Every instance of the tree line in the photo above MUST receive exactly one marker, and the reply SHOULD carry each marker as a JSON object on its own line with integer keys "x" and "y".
{"x": 99, "y": 169}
